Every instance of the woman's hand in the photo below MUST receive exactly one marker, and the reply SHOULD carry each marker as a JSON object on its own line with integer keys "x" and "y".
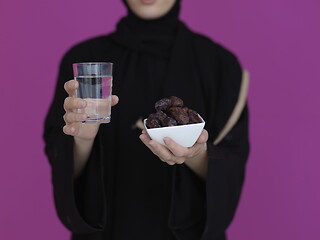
{"x": 73, "y": 118}
{"x": 194, "y": 157}
{"x": 84, "y": 134}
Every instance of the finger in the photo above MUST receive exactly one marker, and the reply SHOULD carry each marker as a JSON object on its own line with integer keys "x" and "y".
{"x": 71, "y": 117}
{"x": 114, "y": 100}
{"x": 203, "y": 136}
{"x": 171, "y": 163}
{"x": 71, "y": 129}
{"x": 156, "y": 148}
{"x": 146, "y": 135}
{"x": 145, "y": 139}
{"x": 72, "y": 103}
{"x": 176, "y": 149}
{"x": 71, "y": 87}
{"x": 161, "y": 151}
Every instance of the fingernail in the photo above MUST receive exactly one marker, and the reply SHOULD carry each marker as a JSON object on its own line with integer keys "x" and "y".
{"x": 72, "y": 129}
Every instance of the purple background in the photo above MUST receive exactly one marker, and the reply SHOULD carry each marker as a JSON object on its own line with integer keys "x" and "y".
{"x": 277, "y": 40}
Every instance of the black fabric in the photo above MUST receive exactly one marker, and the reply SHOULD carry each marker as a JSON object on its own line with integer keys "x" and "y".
{"x": 126, "y": 192}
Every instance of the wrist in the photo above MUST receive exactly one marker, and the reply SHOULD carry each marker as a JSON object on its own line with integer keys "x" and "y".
{"x": 83, "y": 140}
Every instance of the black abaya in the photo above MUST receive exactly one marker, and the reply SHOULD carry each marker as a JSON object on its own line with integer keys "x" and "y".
{"x": 125, "y": 191}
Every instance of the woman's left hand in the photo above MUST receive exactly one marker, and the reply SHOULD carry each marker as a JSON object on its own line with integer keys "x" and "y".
{"x": 174, "y": 153}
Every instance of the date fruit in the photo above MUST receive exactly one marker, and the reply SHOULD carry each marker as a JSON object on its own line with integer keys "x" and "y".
{"x": 171, "y": 112}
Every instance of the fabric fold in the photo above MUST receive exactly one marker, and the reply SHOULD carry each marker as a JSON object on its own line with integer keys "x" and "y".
{"x": 188, "y": 204}
{"x": 75, "y": 210}
{"x": 226, "y": 166}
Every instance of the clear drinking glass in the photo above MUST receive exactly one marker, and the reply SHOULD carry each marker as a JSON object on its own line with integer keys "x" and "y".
{"x": 95, "y": 87}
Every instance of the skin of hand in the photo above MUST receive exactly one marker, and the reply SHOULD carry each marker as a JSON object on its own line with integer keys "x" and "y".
{"x": 194, "y": 157}
{"x": 73, "y": 117}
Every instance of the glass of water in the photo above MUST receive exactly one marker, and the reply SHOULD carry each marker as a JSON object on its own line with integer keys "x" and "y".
{"x": 95, "y": 87}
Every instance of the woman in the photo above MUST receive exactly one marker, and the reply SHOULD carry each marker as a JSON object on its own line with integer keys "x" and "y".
{"x": 107, "y": 183}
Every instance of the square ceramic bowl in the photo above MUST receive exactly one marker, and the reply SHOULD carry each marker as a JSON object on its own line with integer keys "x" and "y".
{"x": 184, "y": 135}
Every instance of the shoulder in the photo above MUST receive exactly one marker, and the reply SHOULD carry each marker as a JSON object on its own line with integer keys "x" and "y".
{"x": 100, "y": 48}
{"x": 91, "y": 50}
{"x": 87, "y": 47}
{"x": 205, "y": 46}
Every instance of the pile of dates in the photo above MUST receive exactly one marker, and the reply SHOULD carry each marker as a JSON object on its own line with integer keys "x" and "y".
{"x": 171, "y": 112}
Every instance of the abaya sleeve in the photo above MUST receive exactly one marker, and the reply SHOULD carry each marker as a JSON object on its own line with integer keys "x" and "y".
{"x": 226, "y": 168}
{"x": 204, "y": 210}
{"x": 80, "y": 203}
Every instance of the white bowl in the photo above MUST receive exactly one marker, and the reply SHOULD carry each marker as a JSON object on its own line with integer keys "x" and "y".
{"x": 184, "y": 135}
